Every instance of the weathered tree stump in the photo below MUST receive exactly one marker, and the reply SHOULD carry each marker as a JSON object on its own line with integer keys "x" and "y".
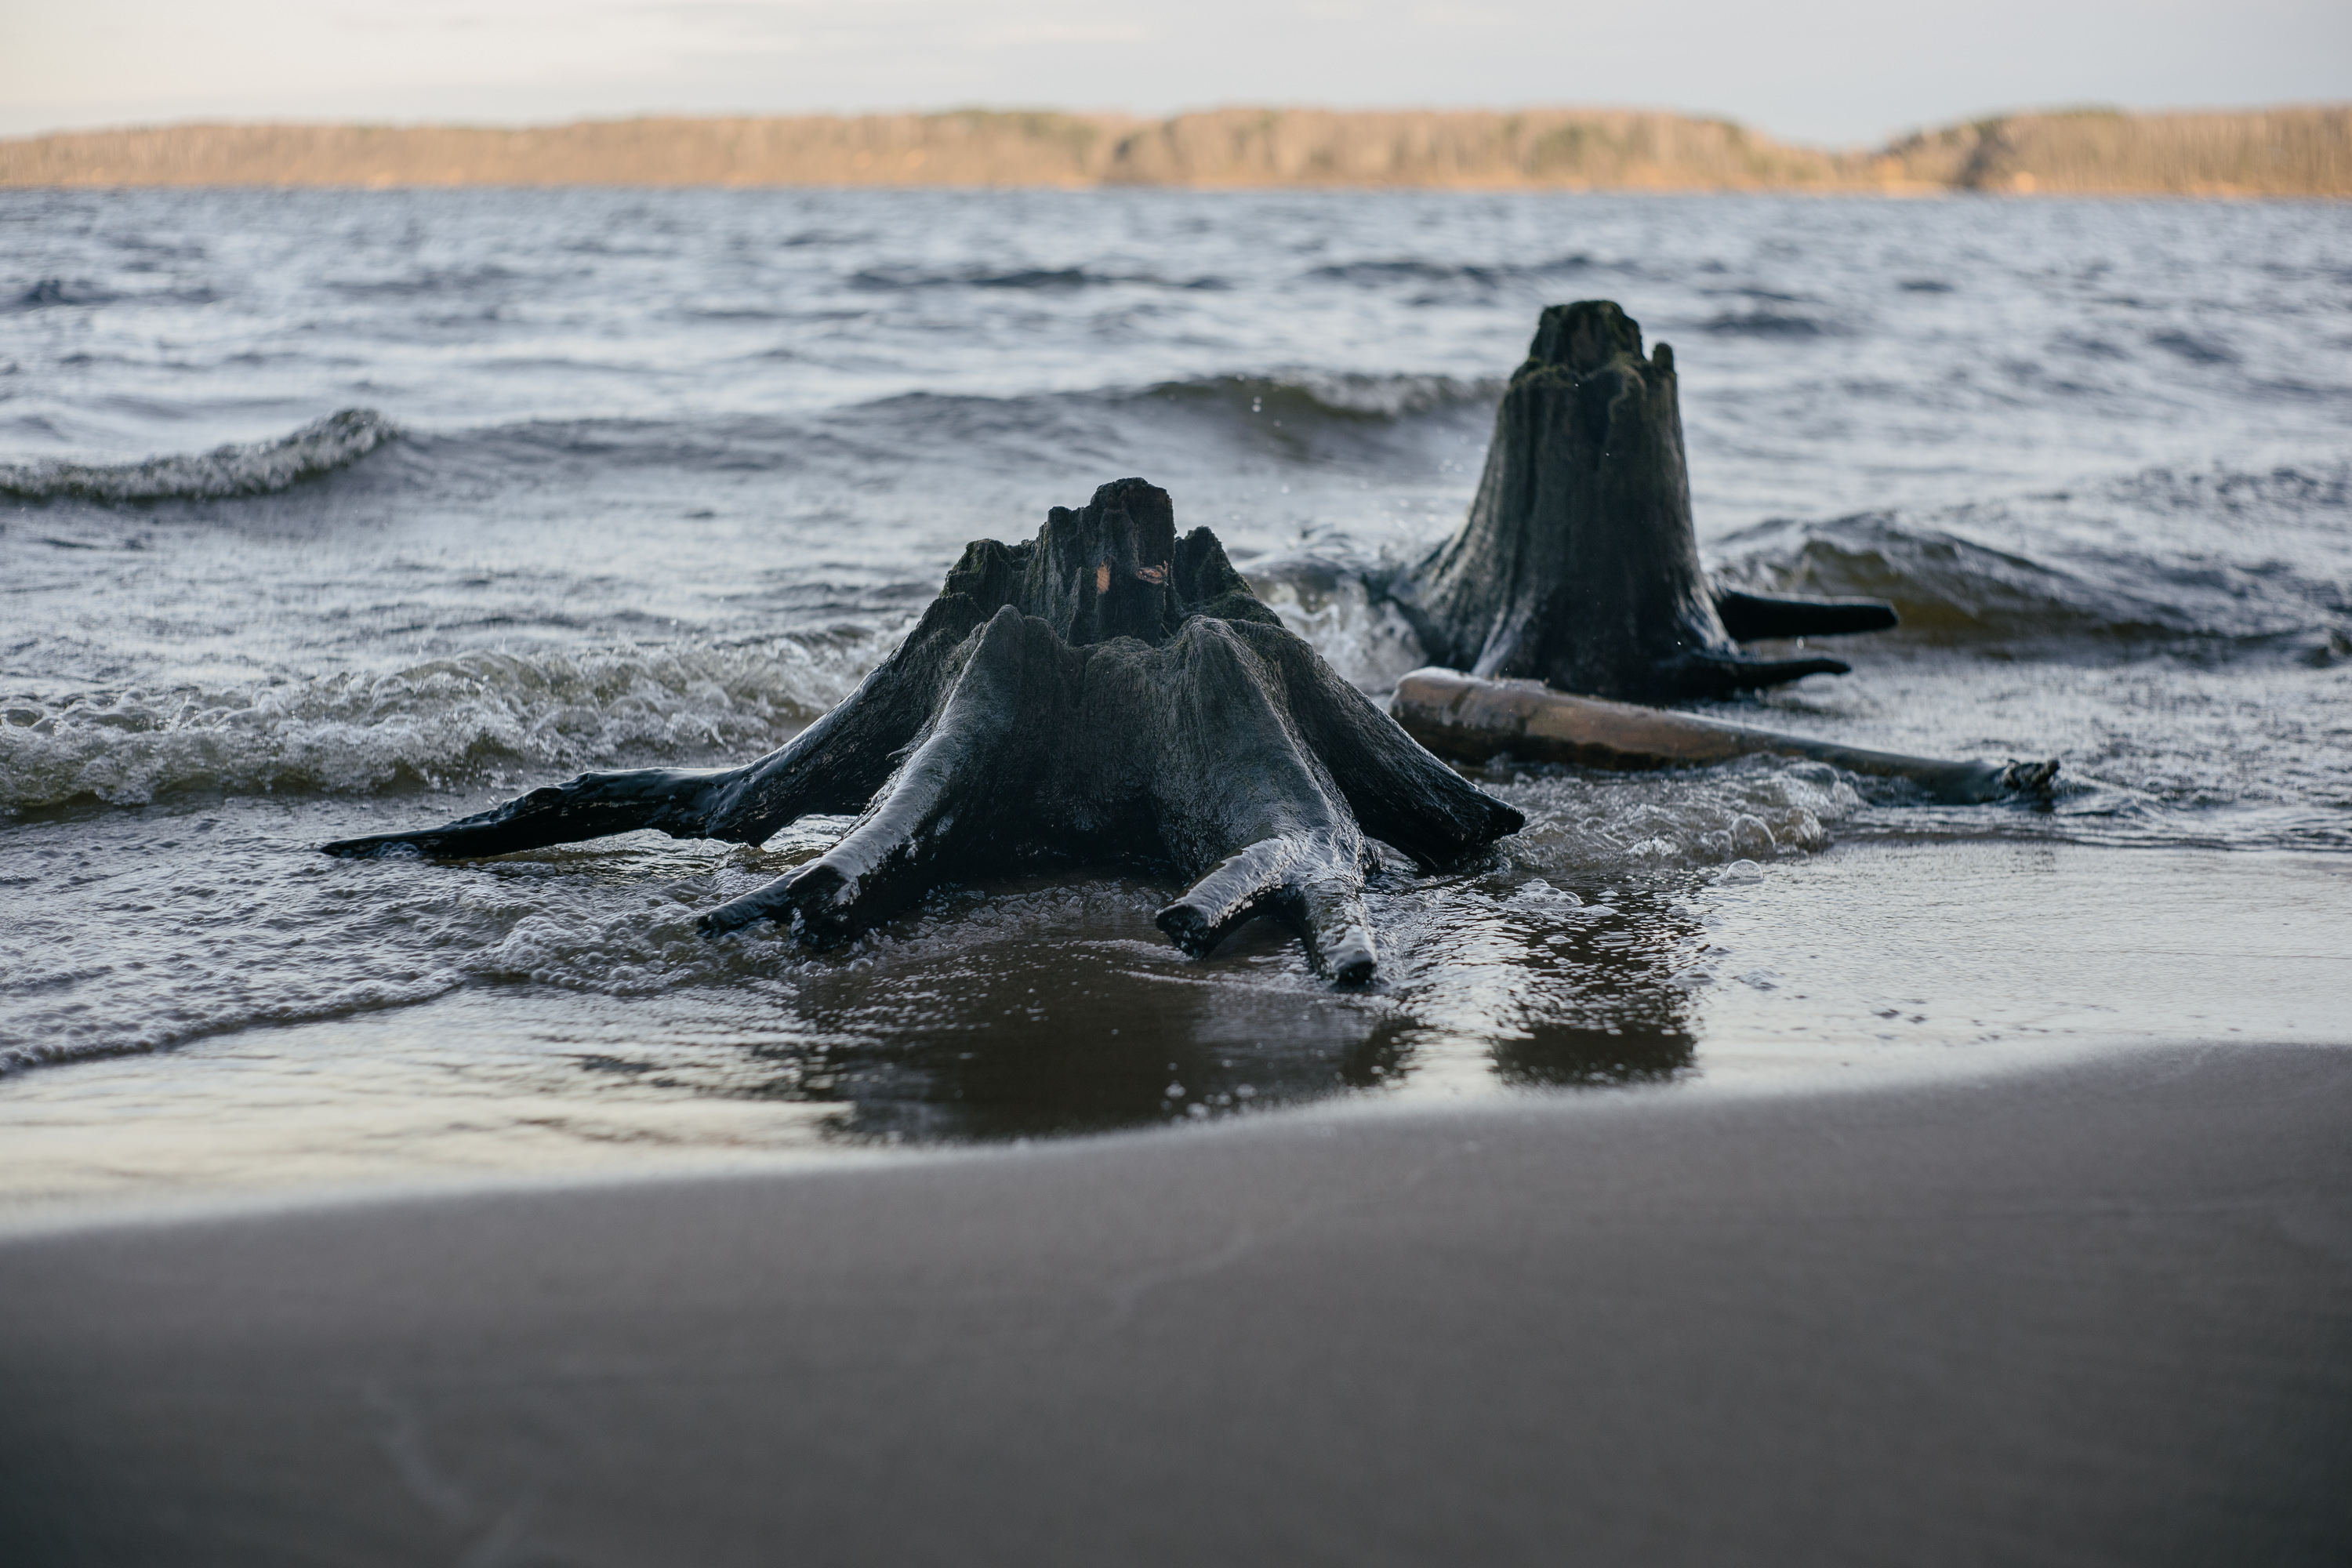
{"x": 1578, "y": 564}
{"x": 1105, "y": 693}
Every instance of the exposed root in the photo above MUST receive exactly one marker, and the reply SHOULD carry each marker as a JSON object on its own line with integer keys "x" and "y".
{"x": 1105, "y": 693}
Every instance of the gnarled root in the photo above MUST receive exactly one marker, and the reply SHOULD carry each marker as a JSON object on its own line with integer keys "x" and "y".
{"x": 1105, "y": 693}
{"x": 678, "y": 803}
{"x": 1754, "y": 618}
{"x": 939, "y": 806}
{"x": 1309, "y": 882}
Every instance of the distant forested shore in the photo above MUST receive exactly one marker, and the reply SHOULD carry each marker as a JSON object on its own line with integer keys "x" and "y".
{"x": 2293, "y": 152}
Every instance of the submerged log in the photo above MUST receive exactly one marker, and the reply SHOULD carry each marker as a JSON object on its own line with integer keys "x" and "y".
{"x": 1578, "y": 564}
{"x": 1458, "y": 715}
{"x": 1105, "y": 693}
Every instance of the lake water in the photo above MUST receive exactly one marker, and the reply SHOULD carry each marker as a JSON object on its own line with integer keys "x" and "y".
{"x": 654, "y": 477}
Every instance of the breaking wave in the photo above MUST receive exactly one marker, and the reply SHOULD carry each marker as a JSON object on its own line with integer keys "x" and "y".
{"x": 1758, "y": 808}
{"x": 1332, "y": 396}
{"x": 2286, "y": 578}
{"x": 1336, "y": 605}
{"x": 54, "y": 292}
{"x": 1297, "y": 402}
{"x": 258, "y": 467}
{"x": 1783, "y": 324}
{"x": 1410, "y": 269}
{"x": 472, "y": 715}
{"x": 1947, "y": 588}
{"x": 1290, "y": 405}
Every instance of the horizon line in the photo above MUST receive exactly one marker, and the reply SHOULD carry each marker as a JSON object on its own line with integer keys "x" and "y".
{"x": 1888, "y": 139}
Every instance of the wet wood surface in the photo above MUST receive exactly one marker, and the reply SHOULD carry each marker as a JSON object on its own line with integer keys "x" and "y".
{"x": 1474, "y": 720}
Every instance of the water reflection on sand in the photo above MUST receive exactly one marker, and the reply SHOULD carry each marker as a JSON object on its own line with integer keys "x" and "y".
{"x": 1049, "y": 1007}
{"x": 1028, "y": 1032}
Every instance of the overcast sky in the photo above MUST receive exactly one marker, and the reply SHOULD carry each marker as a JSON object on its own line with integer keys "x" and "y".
{"x": 1834, "y": 71}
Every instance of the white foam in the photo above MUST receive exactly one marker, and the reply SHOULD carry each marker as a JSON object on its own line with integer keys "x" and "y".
{"x": 1756, "y": 810}
{"x": 1367, "y": 641}
{"x": 257, "y": 468}
{"x": 469, "y": 716}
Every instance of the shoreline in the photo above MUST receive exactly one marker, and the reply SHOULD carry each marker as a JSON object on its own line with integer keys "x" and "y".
{"x": 41, "y": 1219}
{"x": 2286, "y": 152}
{"x": 2095, "y": 1313}
{"x": 1876, "y": 967}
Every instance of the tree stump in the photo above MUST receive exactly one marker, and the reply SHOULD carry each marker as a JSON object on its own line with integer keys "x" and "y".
{"x": 1105, "y": 693}
{"x": 1578, "y": 564}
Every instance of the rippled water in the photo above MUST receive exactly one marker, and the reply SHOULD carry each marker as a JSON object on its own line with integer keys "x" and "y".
{"x": 649, "y": 476}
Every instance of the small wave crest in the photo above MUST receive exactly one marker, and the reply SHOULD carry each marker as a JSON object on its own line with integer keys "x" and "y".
{"x": 1048, "y": 280}
{"x": 1758, "y": 808}
{"x": 884, "y": 429}
{"x": 467, "y": 717}
{"x": 1788, "y": 325}
{"x": 1360, "y": 633}
{"x": 1416, "y": 270}
{"x": 1291, "y": 407}
{"x": 1946, "y": 588}
{"x": 53, "y": 291}
{"x": 258, "y": 467}
{"x": 1332, "y": 396}
{"x": 2255, "y": 558}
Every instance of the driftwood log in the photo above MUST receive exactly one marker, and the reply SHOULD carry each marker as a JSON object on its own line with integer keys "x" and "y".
{"x": 1578, "y": 564}
{"x": 1463, "y": 716}
{"x": 1105, "y": 693}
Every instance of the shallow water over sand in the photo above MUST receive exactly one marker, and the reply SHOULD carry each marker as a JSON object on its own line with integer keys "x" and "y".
{"x": 654, "y": 477}
{"x": 1052, "y": 1006}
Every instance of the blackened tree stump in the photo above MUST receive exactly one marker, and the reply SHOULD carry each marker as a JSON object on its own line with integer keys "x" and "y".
{"x": 1578, "y": 564}
{"x": 1105, "y": 693}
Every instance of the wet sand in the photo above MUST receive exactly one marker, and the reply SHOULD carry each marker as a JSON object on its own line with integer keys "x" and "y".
{"x": 2100, "y": 1312}
{"x": 1056, "y": 1007}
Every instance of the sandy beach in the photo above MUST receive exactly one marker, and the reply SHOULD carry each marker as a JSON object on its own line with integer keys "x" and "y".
{"x": 2098, "y": 1314}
